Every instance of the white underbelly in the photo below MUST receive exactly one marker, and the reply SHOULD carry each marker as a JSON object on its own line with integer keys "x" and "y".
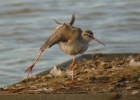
{"x": 73, "y": 49}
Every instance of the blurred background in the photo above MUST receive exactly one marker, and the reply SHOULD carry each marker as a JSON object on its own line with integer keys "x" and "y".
{"x": 26, "y": 24}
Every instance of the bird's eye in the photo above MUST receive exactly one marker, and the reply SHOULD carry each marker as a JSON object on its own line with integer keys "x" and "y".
{"x": 87, "y": 34}
{"x": 90, "y": 35}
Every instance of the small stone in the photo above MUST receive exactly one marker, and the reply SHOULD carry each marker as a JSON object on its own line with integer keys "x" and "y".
{"x": 104, "y": 90}
{"x": 37, "y": 81}
{"x": 33, "y": 87}
{"x": 126, "y": 82}
{"x": 18, "y": 85}
{"x": 128, "y": 88}
{"x": 102, "y": 63}
{"x": 43, "y": 78}
{"x": 135, "y": 92}
{"x": 35, "y": 77}
{"x": 68, "y": 73}
{"x": 48, "y": 89}
{"x": 111, "y": 89}
{"x": 49, "y": 76}
{"x": 138, "y": 79}
{"x": 79, "y": 79}
{"x": 75, "y": 66}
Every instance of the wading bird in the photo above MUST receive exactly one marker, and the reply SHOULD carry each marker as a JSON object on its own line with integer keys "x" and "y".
{"x": 71, "y": 40}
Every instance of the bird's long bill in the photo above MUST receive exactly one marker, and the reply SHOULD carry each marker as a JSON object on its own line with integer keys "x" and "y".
{"x": 98, "y": 41}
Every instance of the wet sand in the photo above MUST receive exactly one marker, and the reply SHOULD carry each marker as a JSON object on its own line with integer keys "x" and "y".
{"x": 96, "y": 96}
{"x": 94, "y": 74}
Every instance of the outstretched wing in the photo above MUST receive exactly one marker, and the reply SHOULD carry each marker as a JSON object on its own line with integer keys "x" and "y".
{"x": 71, "y": 22}
{"x": 60, "y": 33}
{"x": 72, "y": 19}
{"x": 63, "y": 33}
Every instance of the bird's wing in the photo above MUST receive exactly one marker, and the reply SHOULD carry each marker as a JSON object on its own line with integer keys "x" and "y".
{"x": 71, "y": 22}
{"x": 72, "y": 19}
{"x": 57, "y": 22}
{"x": 60, "y": 33}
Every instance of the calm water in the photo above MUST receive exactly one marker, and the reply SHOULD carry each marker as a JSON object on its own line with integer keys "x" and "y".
{"x": 25, "y": 25}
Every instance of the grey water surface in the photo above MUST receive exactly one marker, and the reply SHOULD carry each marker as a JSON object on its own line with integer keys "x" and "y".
{"x": 26, "y": 24}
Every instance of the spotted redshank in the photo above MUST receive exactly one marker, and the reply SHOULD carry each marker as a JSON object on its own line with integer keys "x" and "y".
{"x": 71, "y": 40}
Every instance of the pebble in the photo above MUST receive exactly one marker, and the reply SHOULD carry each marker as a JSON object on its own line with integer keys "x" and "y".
{"x": 35, "y": 77}
{"x": 135, "y": 92}
{"x": 33, "y": 87}
{"x": 45, "y": 89}
{"x": 102, "y": 63}
{"x": 79, "y": 79}
{"x": 111, "y": 89}
{"x": 128, "y": 88}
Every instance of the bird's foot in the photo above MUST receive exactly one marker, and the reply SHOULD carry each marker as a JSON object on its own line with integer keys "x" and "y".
{"x": 29, "y": 70}
{"x": 72, "y": 84}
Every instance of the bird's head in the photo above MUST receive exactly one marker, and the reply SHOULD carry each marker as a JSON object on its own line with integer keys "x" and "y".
{"x": 88, "y": 36}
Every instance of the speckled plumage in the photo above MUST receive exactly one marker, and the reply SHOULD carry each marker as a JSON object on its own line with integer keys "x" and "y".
{"x": 71, "y": 40}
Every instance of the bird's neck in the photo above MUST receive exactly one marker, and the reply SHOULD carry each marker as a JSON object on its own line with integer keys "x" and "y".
{"x": 85, "y": 39}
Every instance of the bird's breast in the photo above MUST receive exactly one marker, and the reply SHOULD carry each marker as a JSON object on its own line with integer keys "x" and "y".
{"x": 74, "y": 47}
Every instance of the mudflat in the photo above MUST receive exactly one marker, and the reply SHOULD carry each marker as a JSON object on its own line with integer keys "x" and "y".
{"x": 94, "y": 74}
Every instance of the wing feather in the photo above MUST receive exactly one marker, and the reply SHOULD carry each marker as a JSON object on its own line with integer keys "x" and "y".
{"x": 60, "y": 33}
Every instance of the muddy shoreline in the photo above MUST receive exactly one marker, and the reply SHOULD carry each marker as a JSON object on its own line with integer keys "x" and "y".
{"x": 94, "y": 73}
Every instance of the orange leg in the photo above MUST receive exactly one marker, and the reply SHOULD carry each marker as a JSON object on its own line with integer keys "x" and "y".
{"x": 73, "y": 63}
{"x": 29, "y": 70}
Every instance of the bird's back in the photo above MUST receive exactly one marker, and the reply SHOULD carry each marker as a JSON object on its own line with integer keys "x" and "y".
{"x": 62, "y": 33}
{"x": 76, "y": 44}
